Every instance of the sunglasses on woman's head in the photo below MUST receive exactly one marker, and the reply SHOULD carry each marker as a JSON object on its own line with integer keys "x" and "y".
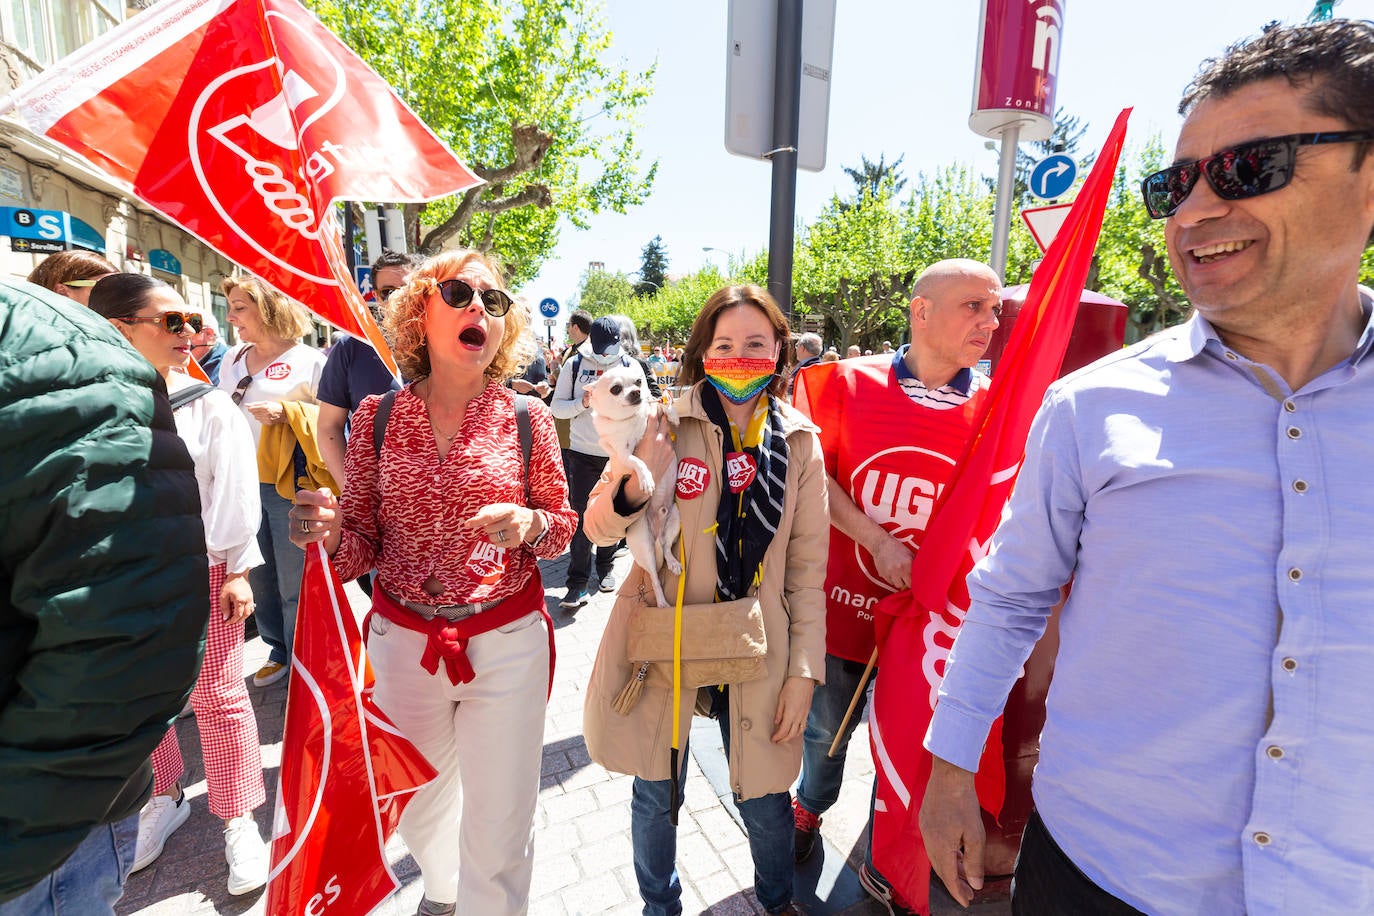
{"x": 172, "y": 322}
{"x": 1240, "y": 172}
{"x": 459, "y": 294}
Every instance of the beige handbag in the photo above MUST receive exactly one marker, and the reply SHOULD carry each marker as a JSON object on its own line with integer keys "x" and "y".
{"x": 722, "y": 643}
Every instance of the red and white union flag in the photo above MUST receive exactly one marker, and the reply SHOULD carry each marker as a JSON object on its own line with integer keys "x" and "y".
{"x": 242, "y": 121}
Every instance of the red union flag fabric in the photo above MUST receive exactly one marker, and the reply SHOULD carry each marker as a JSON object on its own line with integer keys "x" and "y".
{"x": 346, "y": 772}
{"x": 242, "y": 121}
{"x": 916, "y": 627}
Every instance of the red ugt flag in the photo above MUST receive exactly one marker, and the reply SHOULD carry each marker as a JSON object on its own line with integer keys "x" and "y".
{"x": 346, "y": 772}
{"x": 242, "y": 121}
{"x": 916, "y": 628}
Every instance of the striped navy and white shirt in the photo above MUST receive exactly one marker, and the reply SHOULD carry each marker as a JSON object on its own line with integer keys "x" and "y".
{"x": 965, "y": 384}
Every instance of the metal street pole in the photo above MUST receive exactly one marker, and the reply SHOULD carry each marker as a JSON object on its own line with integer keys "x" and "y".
{"x": 786, "y": 120}
{"x": 1001, "y": 219}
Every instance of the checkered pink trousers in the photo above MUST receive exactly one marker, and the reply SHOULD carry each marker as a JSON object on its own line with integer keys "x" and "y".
{"x": 224, "y": 715}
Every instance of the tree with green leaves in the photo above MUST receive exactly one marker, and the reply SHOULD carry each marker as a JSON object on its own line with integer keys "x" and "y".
{"x": 603, "y": 293}
{"x": 653, "y": 268}
{"x": 523, "y": 91}
{"x": 850, "y": 267}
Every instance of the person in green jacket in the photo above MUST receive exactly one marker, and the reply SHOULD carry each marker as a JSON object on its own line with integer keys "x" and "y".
{"x": 102, "y": 598}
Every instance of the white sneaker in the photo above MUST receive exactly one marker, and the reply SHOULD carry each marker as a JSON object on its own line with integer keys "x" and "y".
{"x": 158, "y": 820}
{"x": 246, "y": 854}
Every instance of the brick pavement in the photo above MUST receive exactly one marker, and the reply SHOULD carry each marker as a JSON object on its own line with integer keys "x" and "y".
{"x": 582, "y": 847}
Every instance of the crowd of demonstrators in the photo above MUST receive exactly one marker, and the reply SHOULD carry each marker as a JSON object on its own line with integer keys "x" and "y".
{"x": 71, "y": 273}
{"x": 102, "y": 599}
{"x": 870, "y": 411}
{"x": 274, "y": 379}
{"x": 1235, "y": 444}
{"x": 1207, "y": 746}
{"x": 156, "y": 322}
{"x": 453, "y": 516}
{"x": 206, "y": 347}
{"x": 755, "y": 550}
{"x": 584, "y": 458}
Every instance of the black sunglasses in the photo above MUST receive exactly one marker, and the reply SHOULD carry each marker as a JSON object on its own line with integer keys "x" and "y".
{"x": 1245, "y": 170}
{"x": 241, "y": 389}
{"x": 384, "y": 293}
{"x": 459, "y": 294}
{"x": 172, "y": 322}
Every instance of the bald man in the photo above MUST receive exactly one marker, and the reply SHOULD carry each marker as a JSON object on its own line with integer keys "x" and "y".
{"x": 892, "y": 427}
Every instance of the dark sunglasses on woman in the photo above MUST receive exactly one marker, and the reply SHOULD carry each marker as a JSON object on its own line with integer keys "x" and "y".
{"x": 172, "y": 322}
{"x": 241, "y": 389}
{"x": 459, "y": 295}
{"x": 1242, "y": 171}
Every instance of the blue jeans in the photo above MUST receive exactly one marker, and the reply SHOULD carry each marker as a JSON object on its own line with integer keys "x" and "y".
{"x": 822, "y": 774}
{"x": 277, "y": 582}
{"x": 92, "y": 879}
{"x": 767, "y": 821}
{"x": 583, "y": 473}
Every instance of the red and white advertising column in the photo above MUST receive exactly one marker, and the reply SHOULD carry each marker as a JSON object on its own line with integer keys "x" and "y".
{"x": 1013, "y": 90}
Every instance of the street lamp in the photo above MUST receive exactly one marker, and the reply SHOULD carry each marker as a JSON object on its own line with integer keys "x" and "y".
{"x": 707, "y": 249}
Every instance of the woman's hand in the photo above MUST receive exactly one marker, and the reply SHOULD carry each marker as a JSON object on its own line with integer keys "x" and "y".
{"x": 236, "y": 598}
{"x": 506, "y": 524}
{"x": 656, "y": 451}
{"x": 315, "y": 517}
{"x": 794, "y": 704}
{"x": 267, "y": 413}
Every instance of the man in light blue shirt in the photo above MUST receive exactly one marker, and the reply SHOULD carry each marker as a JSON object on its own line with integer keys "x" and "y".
{"x": 1208, "y": 747}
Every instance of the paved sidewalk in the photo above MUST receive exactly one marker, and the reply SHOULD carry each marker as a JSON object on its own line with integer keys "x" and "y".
{"x": 582, "y": 847}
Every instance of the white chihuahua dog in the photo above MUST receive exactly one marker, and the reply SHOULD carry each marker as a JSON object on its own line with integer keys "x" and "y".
{"x": 621, "y": 405}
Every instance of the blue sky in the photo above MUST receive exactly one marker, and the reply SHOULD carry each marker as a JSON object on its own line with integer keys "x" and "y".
{"x": 901, "y": 84}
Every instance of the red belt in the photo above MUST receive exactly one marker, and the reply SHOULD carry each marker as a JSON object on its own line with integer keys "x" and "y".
{"x": 448, "y": 639}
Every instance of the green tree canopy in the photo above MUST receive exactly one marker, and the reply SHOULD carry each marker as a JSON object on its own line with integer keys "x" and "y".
{"x": 524, "y": 93}
{"x": 604, "y": 293}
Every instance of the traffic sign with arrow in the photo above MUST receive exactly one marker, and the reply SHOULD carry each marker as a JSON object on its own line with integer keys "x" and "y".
{"x": 1053, "y": 176}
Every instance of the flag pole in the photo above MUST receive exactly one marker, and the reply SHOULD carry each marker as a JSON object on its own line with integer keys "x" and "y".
{"x": 853, "y": 701}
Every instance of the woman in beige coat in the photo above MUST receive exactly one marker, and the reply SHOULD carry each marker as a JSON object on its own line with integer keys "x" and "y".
{"x": 751, "y": 491}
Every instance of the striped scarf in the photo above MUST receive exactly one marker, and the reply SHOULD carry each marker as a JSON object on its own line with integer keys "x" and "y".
{"x": 746, "y": 522}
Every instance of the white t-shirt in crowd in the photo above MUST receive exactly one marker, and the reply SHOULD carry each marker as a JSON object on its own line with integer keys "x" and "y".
{"x": 293, "y": 376}
{"x": 221, "y": 445}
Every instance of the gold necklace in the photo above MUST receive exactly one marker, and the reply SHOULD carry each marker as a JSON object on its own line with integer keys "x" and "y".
{"x": 434, "y": 427}
{"x": 446, "y": 438}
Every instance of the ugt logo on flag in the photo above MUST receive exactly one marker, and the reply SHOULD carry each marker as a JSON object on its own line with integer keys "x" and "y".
{"x": 242, "y": 121}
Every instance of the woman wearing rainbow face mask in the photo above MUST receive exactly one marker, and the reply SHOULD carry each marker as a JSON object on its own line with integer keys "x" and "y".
{"x": 751, "y": 491}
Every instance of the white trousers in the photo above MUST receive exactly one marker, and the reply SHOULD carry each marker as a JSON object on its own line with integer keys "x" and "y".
{"x": 471, "y": 831}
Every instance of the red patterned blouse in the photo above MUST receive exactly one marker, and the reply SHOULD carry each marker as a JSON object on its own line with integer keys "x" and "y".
{"x": 407, "y": 520}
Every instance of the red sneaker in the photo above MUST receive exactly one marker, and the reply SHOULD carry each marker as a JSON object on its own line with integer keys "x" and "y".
{"x": 808, "y": 829}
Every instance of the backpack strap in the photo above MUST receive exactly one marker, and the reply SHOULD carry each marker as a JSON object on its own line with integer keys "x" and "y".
{"x": 379, "y": 421}
{"x": 189, "y": 394}
{"x": 522, "y": 423}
